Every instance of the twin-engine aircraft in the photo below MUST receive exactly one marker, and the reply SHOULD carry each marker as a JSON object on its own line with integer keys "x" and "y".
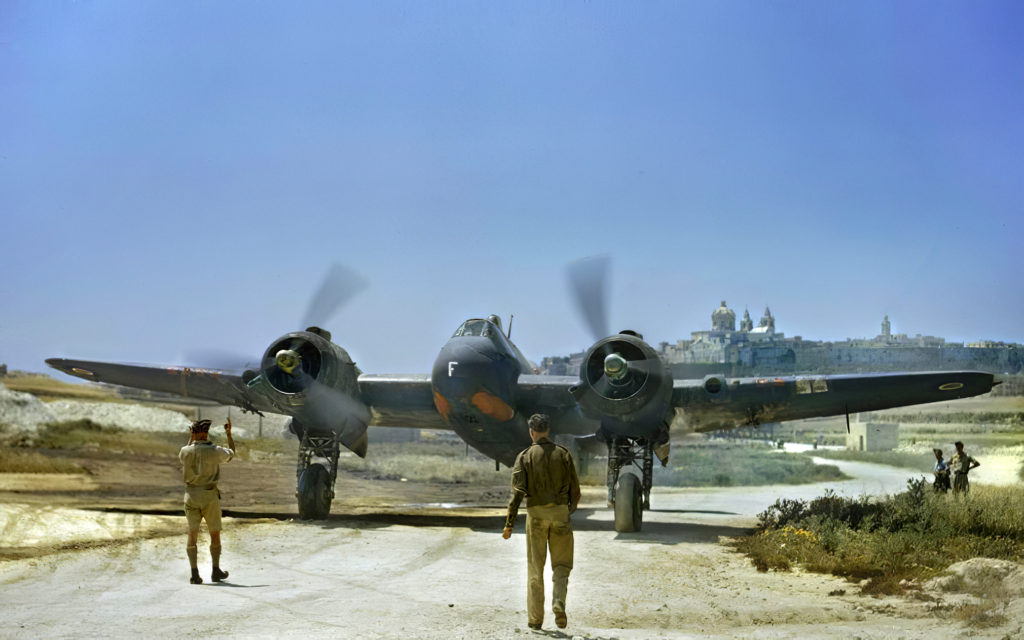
{"x": 624, "y": 398}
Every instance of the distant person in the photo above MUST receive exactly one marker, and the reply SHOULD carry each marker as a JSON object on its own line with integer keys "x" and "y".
{"x": 941, "y": 471}
{"x": 545, "y": 474}
{"x": 201, "y": 460}
{"x": 961, "y": 464}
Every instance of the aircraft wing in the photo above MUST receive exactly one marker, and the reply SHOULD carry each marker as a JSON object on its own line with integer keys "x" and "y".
{"x": 394, "y": 400}
{"x": 209, "y": 384}
{"x": 550, "y": 395}
{"x": 400, "y": 400}
{"x": 546, "y": 394}
{"x": 751, "y": 401}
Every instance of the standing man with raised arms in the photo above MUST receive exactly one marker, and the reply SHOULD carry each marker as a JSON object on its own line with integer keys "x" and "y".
{"x": 545, "y": 475}
{"x": 201, "y": 460}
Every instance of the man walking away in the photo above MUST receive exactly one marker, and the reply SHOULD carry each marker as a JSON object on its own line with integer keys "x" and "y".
{"x": 961, "y": 463}
{"x": 200, "y": 461}
{"x": 545, "y": 474}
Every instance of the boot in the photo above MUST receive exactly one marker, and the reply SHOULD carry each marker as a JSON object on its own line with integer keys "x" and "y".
{"x": 218, "y": 575}
{"x": 195, "y": 579}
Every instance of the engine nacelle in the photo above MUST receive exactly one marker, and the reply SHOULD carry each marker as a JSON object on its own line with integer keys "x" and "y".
{"x": 316, "y": 382}
{"x": 623, "y": 378}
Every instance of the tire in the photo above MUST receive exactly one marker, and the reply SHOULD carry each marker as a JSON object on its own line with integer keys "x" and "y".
{"x": 628, "y": 508}
{"x": 314, "y": 493}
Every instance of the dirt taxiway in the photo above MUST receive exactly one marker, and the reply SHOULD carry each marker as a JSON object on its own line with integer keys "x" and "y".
{"x": 432, "y": 571}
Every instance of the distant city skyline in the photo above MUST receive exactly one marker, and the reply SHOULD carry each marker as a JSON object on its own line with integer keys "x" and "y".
{"x": 178, "y": 176}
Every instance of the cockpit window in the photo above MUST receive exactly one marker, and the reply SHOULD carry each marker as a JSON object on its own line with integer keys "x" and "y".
{"x": 474, "y": 328}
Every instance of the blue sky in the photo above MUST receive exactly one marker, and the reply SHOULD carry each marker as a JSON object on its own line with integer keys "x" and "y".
{"x": 180, "y": 175}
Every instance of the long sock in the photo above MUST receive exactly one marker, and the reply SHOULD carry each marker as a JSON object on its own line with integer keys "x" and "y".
{"x": 215, "y": 554}
{"x": 193, "y": 556}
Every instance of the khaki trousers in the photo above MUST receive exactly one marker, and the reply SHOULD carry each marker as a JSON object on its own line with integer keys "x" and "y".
{"x": 547, "y": 527}
{"x": 960, "y": 483}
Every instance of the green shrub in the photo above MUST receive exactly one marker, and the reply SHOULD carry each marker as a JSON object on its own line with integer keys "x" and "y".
{"x": 912, "y": 535}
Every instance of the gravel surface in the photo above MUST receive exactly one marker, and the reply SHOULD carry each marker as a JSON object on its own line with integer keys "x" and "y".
{"x": 352, "y": 578}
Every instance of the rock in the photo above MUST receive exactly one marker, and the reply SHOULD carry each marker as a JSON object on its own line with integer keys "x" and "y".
{"x": 125, "y": 416}
{"x": 22, "y": 413}
{"x": 979, "y": 573}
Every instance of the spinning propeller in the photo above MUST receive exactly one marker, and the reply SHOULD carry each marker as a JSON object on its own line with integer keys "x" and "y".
{"x": 615, "y": 367}
{"x": 339, "y": 286}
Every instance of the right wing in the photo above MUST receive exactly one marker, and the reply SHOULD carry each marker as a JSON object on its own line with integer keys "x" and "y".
{"x": 393, "y": 400}
{"x": 400, "y": 400}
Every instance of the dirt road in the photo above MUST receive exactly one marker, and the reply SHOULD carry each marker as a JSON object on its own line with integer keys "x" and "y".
{"x": 427, "y": 571}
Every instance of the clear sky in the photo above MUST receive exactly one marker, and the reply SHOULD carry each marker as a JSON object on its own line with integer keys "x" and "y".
{"x": 180, "y": 175}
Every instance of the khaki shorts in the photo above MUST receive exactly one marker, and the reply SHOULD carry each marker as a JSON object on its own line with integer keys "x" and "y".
{"x": 202, "y": 504}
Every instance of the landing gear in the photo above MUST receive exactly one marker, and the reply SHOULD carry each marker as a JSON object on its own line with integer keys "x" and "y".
{"x": 630, "y": 477}
{"x": 315, "y": 475}
{"x": 628, "y": 508}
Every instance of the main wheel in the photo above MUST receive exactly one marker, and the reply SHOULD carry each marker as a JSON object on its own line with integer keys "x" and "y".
{"x": 314, "y": 493}
{"x": 628, "y": 511}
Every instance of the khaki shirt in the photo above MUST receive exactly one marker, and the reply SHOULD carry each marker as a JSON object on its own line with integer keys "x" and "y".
{"x": 201, "y": 462}
{"x": 545, "y": 474}
{"x": 961, "y": 463}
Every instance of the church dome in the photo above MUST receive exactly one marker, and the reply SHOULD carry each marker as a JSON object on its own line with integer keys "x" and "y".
{"x": 723, "y": 319}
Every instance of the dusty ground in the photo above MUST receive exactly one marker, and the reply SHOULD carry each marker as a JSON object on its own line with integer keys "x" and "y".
{"x": 103, "y": 555}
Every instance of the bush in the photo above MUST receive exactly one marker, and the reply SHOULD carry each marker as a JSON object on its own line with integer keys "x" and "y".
{"x": 912, "y": 535}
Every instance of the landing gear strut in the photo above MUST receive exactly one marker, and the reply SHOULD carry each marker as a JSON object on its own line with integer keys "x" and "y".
{"x": 315, "y": 475}
{"x": 630, "y": 477}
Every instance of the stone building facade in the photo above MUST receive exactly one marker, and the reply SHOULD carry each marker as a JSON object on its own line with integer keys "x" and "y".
{"x": 761, "y": 350}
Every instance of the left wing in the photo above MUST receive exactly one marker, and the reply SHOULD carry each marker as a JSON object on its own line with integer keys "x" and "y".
{"x": 209, "y": 384}
{"x": 720, "y": 403}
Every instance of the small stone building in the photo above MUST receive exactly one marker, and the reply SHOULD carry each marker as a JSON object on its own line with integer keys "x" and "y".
{"x": 873, "y": 436}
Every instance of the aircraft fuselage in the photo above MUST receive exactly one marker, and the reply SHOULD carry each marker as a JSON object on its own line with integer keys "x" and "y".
{"x": 474, "y": 385}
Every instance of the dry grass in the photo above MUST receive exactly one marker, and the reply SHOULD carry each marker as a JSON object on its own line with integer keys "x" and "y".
{"x": 47, "y": 389}
{"x": 728, "y": 465}
{"x": 85, "y": 434}
{"x": 443, "y": 462}
{"x": 24, "y": 461}
{"x": 923, "y": 461}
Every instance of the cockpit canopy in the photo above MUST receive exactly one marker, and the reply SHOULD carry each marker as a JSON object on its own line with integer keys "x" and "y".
{"x": 479, "y": 327}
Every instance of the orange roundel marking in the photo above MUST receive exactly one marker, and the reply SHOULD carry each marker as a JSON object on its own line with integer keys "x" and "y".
{"x": 491, "y": 405}
{"x": 442, "y": 405}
